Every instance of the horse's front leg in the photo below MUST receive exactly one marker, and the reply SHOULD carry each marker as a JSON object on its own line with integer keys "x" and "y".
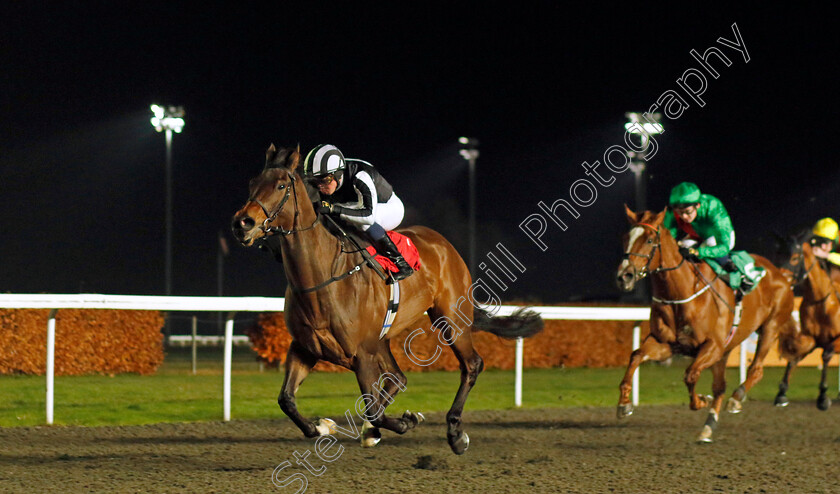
{"x": 708, "y": 355}
{"x": 823, "y": 401}
{"x": 794, "y": 347}
{"x": 299, "y": 362}
{"x": 781, "y": 398}
{"x": 718, "y": 389}
{"x": 650, "y": 349}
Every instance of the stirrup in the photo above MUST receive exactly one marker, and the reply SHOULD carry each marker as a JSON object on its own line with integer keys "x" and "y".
{"x": 399, "y": 275}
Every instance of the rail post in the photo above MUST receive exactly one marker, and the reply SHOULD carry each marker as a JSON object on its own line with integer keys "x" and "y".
{"x": 637, "y": 331}
{"x": 228, "y": 358}
{"x": 51, "y": 365}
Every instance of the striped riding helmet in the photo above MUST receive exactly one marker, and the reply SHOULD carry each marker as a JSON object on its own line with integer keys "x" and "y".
{"x": 323, "y": 159}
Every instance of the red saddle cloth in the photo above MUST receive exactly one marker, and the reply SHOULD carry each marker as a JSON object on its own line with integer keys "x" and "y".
{"x": 406, "y": 248}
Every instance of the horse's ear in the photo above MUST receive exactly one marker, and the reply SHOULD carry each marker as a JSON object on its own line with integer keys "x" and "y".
{"x": 632, "y": 217}
{"x": 293, "y": 161}
{"x": 270, "y": 153}
{"x": 660, "y": 216}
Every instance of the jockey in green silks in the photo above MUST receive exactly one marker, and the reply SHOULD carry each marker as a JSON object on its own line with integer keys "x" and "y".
{"x": 703, "y": 230}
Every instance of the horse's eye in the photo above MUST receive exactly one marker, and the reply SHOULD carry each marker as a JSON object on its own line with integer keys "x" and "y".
{"x": 650, "y": 240}
{"x": 281, "y": 186}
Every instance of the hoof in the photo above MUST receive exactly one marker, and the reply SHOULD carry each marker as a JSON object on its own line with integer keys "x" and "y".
{"x": 705, "y": 436}
{"x": 624, "y": 410}
{"x": 413, "y": 418}
{"x": 781, "y": 401}
{"x": 733, "y": 406}
{"x": 823, "y": 403}
{"x": 370, "y": 435}
{"x": 325, "y": 427}
{"x": 460, "y": 444}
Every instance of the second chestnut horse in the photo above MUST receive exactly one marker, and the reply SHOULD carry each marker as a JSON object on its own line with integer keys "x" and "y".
{"x": 693, "y": 312}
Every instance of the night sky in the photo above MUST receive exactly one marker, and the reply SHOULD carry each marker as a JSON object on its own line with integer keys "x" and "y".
{"x": 543, "y": 85}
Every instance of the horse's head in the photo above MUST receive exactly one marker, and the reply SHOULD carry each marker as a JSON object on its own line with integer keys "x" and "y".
{"x": 796, "y": 257}
{"x": 642, "y": 247}
{"x": 273, "y": 205}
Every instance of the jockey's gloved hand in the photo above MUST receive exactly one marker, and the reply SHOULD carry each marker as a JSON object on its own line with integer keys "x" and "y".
{"x": 690, "y": 253}
{"x": 322, "y": 207}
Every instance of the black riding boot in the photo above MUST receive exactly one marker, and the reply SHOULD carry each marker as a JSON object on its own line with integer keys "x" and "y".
{"x": 386, "y": 247}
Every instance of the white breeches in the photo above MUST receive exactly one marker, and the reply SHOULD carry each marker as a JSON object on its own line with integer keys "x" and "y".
{"x": 388, "y": 214}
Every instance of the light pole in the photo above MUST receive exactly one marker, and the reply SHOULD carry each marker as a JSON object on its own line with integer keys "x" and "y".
{"x": 644, "y": 127}
{"x": 635, "y": 125}
{"x": 169, "y": 119}
{"x": 469, "y": 152}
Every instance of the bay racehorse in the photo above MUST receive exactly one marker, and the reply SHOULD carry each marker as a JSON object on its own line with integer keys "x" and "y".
{"x": 819, "y": 317}
{"x": 335, "y": 308}
{"x": 693, "y": 312}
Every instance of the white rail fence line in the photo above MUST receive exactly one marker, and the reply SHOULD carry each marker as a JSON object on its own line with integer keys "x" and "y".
{"x": 232, "y": 305}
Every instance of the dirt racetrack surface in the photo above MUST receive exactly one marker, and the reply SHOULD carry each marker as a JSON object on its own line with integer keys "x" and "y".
{"x": 763, "y": 449}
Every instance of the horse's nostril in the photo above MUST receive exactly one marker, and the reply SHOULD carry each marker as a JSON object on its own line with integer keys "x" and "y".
{"x": 247, "y": 223}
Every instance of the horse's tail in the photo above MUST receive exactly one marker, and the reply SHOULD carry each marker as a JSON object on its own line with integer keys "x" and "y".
{"x": 522, "y": 323}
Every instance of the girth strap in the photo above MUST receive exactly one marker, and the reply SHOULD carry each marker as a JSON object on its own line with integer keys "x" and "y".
{"x": 683, "y": 301}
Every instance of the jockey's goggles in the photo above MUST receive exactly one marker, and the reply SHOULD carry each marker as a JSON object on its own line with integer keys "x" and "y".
{"x": 818, "y": 240}
{"x": 319, "y": 180}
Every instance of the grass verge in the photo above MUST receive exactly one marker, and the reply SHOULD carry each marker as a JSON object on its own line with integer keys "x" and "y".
{"x": 174, "y": 394}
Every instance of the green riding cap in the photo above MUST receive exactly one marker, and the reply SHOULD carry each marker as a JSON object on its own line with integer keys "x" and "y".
{"x": 684, "y": 193}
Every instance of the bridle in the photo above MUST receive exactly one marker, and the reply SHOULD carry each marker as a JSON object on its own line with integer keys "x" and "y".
{"x": 800, "y": 273}
{"x": 270, "y": 217}
{"x": 656, "y": 246}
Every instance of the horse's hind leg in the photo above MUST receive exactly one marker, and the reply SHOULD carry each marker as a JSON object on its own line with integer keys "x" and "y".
{"x": 823, "y": 401}
{"x": 369, "y": 379}
{"x": 471, "y": 365}
{"x": 718, "y": 389}
{"x": 298, "y": 364}
{"x": 392, "y": 378}
{"x": 391, "y": 381}
{"x": 650, "y": 349}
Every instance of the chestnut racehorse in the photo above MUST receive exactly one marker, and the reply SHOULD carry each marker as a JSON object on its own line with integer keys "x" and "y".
{"x": 335, "y": 308}
{"x": 819, "y": 318}
{"x": 692, "y": 314}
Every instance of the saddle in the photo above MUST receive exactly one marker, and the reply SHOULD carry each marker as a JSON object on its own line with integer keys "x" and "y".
{"x": 731, "y": 273}
{"x": 358, "y": 241}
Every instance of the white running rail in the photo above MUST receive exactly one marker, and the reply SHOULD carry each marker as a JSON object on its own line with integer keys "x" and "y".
{"x": 232, "y": 305}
